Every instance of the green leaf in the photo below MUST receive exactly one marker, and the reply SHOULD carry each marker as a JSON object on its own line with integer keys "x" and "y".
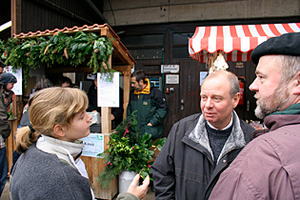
{"x": 74, "y": 48}
{"x": 88, "y": 49}
{"x": 82, "y": 46}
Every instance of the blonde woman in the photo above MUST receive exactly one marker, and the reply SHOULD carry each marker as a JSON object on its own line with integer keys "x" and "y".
{"x": 48, "y": 167}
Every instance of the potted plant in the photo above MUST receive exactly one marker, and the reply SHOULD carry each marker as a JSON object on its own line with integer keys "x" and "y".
{"x": 129, "y": 150}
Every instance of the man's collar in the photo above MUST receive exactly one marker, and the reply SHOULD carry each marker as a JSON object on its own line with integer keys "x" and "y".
{"x": 146, "y": 89}
{"x": 292, "y": 110}
{"x": 226, "y": 127}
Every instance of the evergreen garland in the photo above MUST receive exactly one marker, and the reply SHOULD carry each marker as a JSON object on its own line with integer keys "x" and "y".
{"x": 59, "y": 49}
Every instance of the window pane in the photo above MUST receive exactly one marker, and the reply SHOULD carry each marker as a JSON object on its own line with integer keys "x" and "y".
{"x": 143, "y": 40}
{"x": 182, "y": 38}
{"x": 180, "y": 52}
{"x": 145, "y": 53}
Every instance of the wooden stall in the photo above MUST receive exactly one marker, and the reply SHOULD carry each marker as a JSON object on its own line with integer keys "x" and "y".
{"x": 120, "y": 60}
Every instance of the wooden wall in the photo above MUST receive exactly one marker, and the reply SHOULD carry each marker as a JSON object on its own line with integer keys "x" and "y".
{"x": 51, "y": 14}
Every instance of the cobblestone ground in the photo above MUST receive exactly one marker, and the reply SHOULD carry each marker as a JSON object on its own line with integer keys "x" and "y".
{"x": 5, "y": 193}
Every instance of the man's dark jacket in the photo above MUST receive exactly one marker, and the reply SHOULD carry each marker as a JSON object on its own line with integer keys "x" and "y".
{"x": 184, "y": 169}
{"x": 151, "y": 107}
{"x": 4, "y": 123}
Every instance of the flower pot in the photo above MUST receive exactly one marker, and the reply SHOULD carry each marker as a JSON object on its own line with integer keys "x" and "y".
{"x": 125, "y": 179}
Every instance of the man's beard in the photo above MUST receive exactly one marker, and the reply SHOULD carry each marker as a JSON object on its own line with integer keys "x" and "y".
{"x": 273, "y": 103}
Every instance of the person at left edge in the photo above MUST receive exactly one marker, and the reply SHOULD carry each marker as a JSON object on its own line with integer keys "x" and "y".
{"x": 8, "y": 80}
{"x": 199, "y": 147}
{"x": 4, "y": 133}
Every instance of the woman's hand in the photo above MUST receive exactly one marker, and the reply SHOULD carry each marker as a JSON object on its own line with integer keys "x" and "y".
{"x": 139, "y": 191}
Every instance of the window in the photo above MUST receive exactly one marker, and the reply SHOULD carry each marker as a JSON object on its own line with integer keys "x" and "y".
{"x": 144, "y": 46}
{"x": 180, "y": 45}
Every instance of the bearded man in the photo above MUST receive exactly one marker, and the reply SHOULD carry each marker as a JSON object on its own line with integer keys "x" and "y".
{"x": 268, "y": 167}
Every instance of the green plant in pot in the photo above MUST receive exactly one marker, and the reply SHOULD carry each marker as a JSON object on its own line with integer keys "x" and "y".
{"x": 129, "y": 150}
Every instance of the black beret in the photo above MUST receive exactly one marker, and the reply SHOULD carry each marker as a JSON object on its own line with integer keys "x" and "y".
{"x": 286, "y": 44}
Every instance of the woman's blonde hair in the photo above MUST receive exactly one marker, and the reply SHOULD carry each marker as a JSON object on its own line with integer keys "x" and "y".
{"x": 48, "y": 107}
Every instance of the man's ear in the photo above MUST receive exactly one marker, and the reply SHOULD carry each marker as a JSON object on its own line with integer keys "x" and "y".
{"x": 236, "y": 99}
{"x": 58, "y": 131}
{"x": 141, "y": 82}
{"x": 296, "y": 84}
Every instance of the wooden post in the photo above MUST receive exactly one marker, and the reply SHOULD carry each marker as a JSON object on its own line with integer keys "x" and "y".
{"x": 16, "y": 16}
{"x": 94, "y": 166}
{"x": 106, "y": 112}
{"x": 127, "y": 74}
{"x": 105, "y": 120}
{"x": 10, "y": 143}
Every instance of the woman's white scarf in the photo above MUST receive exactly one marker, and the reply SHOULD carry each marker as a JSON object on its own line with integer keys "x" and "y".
{"x": 62, "y": 149}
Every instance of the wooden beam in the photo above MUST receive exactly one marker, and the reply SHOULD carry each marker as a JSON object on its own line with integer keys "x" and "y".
{"x": 122, "y": 68}
{"x": 16, "y": 16}
{"x": 106, "y": 113}
{"x": 127, "y": 74}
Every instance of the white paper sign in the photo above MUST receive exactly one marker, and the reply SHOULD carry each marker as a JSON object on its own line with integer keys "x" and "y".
{"x": 108, "y": 90}
{"x": 94, "y": 144}
{"x": 169, "y": 68}
{"x": 17, "y": 89}
{"x": 172, "y": 79}
{"x": 203, "y": 76}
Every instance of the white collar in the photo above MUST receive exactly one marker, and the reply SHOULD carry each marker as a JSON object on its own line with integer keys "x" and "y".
{"x": 62, "y": 149}
{"x": 226, "y": 127}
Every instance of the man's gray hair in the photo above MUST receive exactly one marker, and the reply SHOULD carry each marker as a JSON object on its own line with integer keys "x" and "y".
{"x": 234, "y": 84}
{"x": 232, "y": 78}
{"x": 290, "y": 65}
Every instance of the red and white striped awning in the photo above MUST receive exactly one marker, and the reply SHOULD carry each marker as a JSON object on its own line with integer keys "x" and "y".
{"x": 237, "y": 41}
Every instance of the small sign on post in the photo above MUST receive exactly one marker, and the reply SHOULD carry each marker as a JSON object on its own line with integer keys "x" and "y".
{"x": 108, "y": 90}
{"x": 169, "y": 69}
{"x": 94, "y": 144}
{"x": 172, "y": 79}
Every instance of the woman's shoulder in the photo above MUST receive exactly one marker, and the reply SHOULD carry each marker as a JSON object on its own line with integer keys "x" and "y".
{"x": 40, "y": 164}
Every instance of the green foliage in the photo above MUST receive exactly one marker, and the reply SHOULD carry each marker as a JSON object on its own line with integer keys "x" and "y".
{"x": 59, "y": 49}
{"x": 2, "y": 50}
{"x": 130, "y": 150}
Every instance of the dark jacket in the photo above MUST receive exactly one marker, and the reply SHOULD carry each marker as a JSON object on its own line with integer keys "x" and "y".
{"x": 184, "y": 169}
{"x": 40, "y": 175}
{"x": 268, "y": 167}
{"x": 4, "y": 123}
{"x": 9, "y": 98}
{"x": 151, "y": 108}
